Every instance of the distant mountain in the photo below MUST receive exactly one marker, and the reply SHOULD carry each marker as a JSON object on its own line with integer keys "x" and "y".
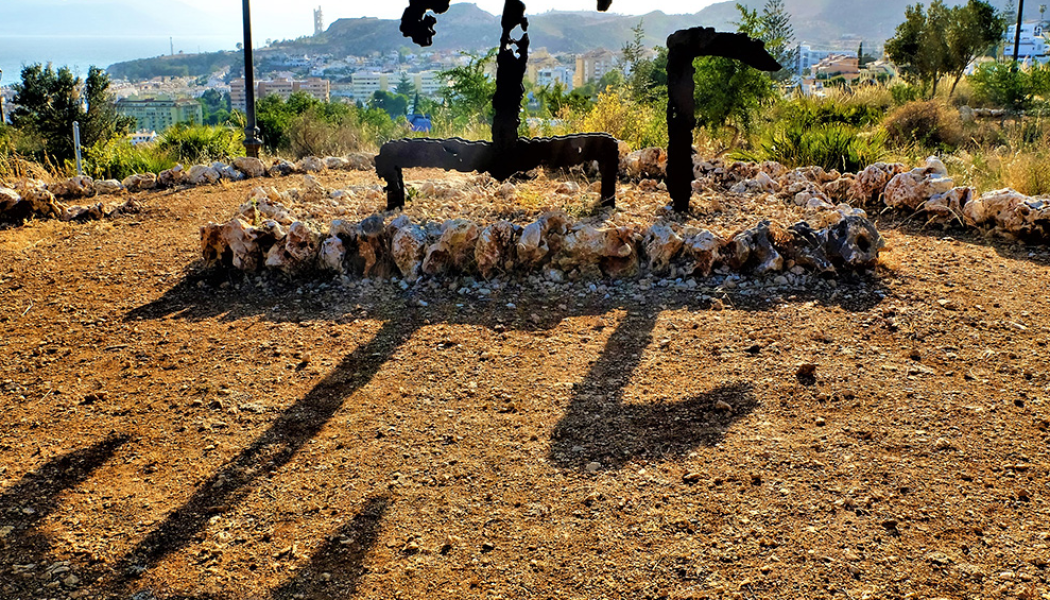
{"x": 825, "y": 24}
{"x": 834, "y": 24}
{"x": 821, "y": 23}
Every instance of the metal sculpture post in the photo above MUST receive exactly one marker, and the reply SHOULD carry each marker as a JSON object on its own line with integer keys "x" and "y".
{"x": 682, "y": 47}
{"x": 507, "y": 153}
{"x": 251, "y": 132}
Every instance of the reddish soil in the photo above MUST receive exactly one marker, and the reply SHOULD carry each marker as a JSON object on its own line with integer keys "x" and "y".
{"x": 176, "y": 434}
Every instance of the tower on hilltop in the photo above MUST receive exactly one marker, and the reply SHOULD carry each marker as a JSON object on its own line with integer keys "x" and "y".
{"x": 318, "y": 21}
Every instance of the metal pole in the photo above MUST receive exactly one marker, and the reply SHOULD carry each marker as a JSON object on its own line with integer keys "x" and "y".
{"x": 1017, "y": 32}
{"x": 76, "y": 146}
{"x": 251, "y": 132}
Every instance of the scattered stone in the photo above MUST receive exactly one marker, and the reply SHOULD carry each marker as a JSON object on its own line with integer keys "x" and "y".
{"x": 251, "y": 167}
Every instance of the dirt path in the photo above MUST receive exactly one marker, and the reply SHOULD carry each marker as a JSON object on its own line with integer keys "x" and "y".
{"x": 172, "y": 436}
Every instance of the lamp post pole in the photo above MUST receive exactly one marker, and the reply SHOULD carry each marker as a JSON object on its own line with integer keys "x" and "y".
{"x": 1017, "y": 32}
{"x": 251, "y": 132}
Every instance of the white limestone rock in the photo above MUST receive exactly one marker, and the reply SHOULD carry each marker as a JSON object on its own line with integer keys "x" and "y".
{"x": 251, "y": 167}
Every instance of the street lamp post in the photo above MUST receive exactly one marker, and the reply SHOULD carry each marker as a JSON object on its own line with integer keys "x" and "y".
{"x": 1017, "y": 32}
{"x": 3, "y": 119}
{"x": 251, "y": 132}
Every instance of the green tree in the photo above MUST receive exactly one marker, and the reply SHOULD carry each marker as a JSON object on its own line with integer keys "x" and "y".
{"x": 395, "y": 105}
{"x": 726, "y": 90}
{"x": 50, "y": 101}
{"x": 405, "y": 87}
{"x": 942, "y": 41}
{"x": 468, "y": 90}
{"x": 646, "y": 78}
{"x": 776, "y": 31}
{"x": 972, "y": 32}
{"x": 554, "y": 98}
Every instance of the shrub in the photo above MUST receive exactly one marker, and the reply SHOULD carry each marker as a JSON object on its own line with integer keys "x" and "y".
{"x": 928, "y": 124}
{"x": 830, "y": 145}
{"x": 118, "y": 158}
{"x": 999, "y": 84}
{"x": 639, "y": 124}
{"x": 201, "y": 143}
{"x": 904, "y": 93}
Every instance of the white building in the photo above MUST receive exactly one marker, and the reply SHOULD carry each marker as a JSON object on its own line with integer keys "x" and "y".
{"x": 550, "y": 76}
{"x": 366, "y": 83}
{"x": 808, "y": 58}
{"x": 1033, "y": 46}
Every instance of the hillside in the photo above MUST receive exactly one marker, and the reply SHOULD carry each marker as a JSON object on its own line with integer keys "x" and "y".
{"x": 820, "y": 23}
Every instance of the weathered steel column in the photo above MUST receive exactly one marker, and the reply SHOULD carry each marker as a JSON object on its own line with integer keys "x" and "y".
{"x": 1017, "y": 32}
{"x": 251, "y": 132}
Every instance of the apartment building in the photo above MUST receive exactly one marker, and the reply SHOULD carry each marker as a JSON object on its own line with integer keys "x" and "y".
{"x": 590, "y": 66}
{"x": 281, "y": 86}
{"x": 159, "y": 114}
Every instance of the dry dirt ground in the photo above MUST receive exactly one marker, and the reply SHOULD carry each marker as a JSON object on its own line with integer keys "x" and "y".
{"x": 166, "y": 433}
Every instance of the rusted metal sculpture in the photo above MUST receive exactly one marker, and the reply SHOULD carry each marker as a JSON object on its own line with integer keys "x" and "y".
{"x": 506, "y": 154}
{"x": 682, "y": 47}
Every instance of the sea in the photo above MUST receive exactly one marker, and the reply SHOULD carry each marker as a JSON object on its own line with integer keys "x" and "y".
{"x": 80, "y": 52}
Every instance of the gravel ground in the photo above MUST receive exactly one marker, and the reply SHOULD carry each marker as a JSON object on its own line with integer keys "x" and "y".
{"x": 171, "y": 433}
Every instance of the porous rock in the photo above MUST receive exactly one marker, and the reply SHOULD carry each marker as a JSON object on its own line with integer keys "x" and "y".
{"x": 701, "y": 249}
{"x": 250, "y": 166}
{"x": 171, "y": 177}
{"x": 408, "y": 245}
{"x": 869, "y": 183}
{"x": 332, "y": 254}
{"x": 454, "y": 250}
{"x": 107, "y": 186}
{"x": 541, "y": 239}
{"x": 360, "y": 161}
{"x": 661, "y": 244}
{"x": 140, "y": 181}
{"x": 227, "y": 172}
{"x": 310, "y": 164}
{"x": 589, "y": 248}
{"x": 948, "y": 207}
{"x": 806, "y": 247}
{"x": 79, "y": 186}
{"x": 336, "y": 163}
{"x": 373, "y": 248}
{"x": 644, "y": 164}
{"x": 8, "y": 199}
{"x": 854, "y": 243}
{"x": 202, "y": 175}
{"x": 281, "y": 168}
{"x": 914, "y": 188}
{"x": 496, "y": 250}
{"x": 40, "y": 202}
{"x": 296, "y": 252}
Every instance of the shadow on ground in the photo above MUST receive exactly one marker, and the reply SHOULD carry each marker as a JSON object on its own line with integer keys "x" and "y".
{"x": 24, "y": 548}
{"x": 597, "y": 427}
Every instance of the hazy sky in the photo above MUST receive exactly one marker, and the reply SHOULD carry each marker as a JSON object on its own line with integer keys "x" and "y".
{"x": 282, "y": 19}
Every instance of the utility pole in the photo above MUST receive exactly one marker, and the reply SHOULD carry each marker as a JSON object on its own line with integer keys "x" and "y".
{"x": 1017, "y": 32}
{"x": 3, "y": 119}
{"x": 251, "y": 132}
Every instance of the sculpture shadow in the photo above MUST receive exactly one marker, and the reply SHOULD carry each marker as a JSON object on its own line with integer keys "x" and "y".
{"x": 273, "y": 449}
{"x": 24, "y": 506}
{"x": 597, "y": 426}
{"x": 600, "y": 428}
{"x": 336, "y": 568}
